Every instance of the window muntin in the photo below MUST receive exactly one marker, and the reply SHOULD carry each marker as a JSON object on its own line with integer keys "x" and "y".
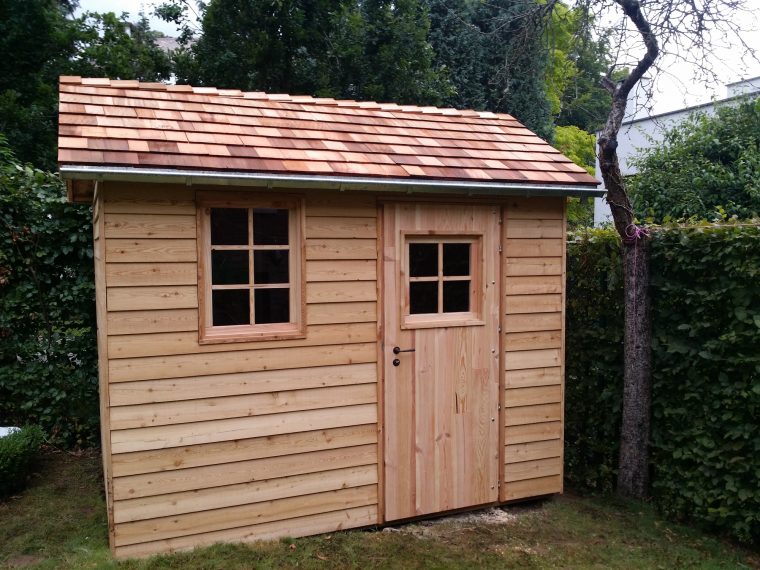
{"x": 442, "y": 280}
{"x": 251, "y": 269}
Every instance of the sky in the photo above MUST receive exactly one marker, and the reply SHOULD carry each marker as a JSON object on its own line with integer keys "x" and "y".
{"x": 675, "y": 88}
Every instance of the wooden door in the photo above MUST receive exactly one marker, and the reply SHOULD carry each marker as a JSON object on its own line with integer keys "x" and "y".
{"x": 441, "y": 311}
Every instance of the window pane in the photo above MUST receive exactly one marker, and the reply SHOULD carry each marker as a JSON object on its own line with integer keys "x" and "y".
{"x": 270, "y": 266}
{"x": 423, "y": 259}
{"x": 229, "y": 267}
{"x": 423, "y": 297}
{"x": 456, "y": 296}
{"x": 272, "y": 306}
{"x": 229, "y": 226}
{"x": 456, "y": 259}
{"x": 270, "y": 226}
{"x": 231, "y": 307}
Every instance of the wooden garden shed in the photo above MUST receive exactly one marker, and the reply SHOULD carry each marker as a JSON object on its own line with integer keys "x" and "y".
{"x": 316, "y": 314}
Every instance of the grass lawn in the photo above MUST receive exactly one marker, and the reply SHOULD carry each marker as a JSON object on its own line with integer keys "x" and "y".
{"x": 60, "y": 522}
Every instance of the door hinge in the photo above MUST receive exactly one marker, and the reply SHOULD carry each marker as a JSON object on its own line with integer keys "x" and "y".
{"x": 500, "y": 248}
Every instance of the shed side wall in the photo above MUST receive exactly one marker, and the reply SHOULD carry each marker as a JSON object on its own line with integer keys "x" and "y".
{"x": 238, "y": 441}
{"x": 533, "y": 341}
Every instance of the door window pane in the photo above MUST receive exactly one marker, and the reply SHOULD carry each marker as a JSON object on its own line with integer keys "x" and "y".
{"x": 231, "y": 307}
{"x": 423, "y": 297}
{"x": 229, "y": 226}
{"x": 272, "y": 305}
{"x": 229, "y": 268}
{"x": 270, "y": 226}
{"x": 456, "y": 259}
{"x": 270, "y": 266}
{"x": 423, "y": 259}
{"x": 456, "y": 296}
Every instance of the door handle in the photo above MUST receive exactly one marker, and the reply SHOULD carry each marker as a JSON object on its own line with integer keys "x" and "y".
{"x": 397, "y": 350}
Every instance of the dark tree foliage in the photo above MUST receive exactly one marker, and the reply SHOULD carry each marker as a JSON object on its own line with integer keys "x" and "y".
{"x": 496, "y": 57}
{"x": 39, "y": 42}
{"x": 48, "y": 361}
{"x": 707, "y": 167}
{"x": 374, "y": 49}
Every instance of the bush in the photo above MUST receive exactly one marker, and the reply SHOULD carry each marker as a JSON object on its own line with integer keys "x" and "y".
{"x": 17, "y": 454}
{"x": 706, "y": 371}
{"x": 48, "y": 357}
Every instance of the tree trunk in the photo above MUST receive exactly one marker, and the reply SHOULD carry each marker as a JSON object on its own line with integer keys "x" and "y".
{"x": 633, "y": 474}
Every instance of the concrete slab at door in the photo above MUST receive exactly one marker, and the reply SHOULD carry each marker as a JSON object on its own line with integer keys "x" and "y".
{"x": 441, "y": 401}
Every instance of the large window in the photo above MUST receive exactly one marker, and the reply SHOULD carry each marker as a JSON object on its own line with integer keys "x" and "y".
{"x": 442, "y": 275}
{"x": 250, "y": 268}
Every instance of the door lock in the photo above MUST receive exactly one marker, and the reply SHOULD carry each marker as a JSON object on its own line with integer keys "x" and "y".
{"x": 396, "y": 362}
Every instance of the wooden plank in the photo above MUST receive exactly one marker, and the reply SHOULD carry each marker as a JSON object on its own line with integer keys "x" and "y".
{"x": 198, "y": 500}
{"x": 533, "y": 285}
{"x": 150, "y": 274}
{"x": 533, "y": 414}
{"x": 530, "y": 228}
{"x": 537, "y": 208}
{"x": 146, "y": 322}
{"x": 232, "y": 517}
{"x": 533, "y": 322}
{"x": 517, "y": 397}
{"x": 521, "y": 359}
{"x": 149, "y": 226}
{"x": 550, "y": 247}
{"x": 533, "y": 487}
{"x": 141, "y": 439}
{"x": 533, "y": 450}
{"x": 165, "y": 344}
{"x": 304, "y": 526}
{"x": 533, "y": 303}
{"x": 349, "y": 292}
{"x": 341, "y": 270}
{"x": 532, "y": 340}
{"x": 528, "y": 432}
{"x": 326, "y": 313}
{"x": 264, "y": 381}
{"x": 182, "y": 366}
{"x": 523, "y": 470}
{"x": 340, "y": 227}
{"x": 250, "y": 405}
{"x": 341, "y": 248}
{"x": 151, "y": 250}
{"x": 533, "y": 377}
{"x": 517, "y": 266}
{"x": 145, "y": 199}
{"x": 145, "y": 298}
{"x": 174, "y": 458}
{"x": 334, "y": 205}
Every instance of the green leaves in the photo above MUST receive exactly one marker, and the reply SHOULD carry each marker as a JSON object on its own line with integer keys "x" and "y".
{"x": 48, "y": 360}
{"x": 706, "y": 396}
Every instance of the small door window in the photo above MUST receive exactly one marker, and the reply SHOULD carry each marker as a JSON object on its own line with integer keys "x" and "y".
{"x": 441, "y": 277}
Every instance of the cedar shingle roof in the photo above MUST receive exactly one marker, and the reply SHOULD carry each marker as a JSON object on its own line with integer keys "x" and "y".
{"x": 133, "y": 124}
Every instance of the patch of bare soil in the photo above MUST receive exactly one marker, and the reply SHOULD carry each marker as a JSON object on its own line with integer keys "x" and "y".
{"x": 445, "y": 525}
{"x": 23, "y": 561}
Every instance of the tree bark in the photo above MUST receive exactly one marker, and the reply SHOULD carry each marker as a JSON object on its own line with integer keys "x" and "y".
{"x": 633, "y": 473}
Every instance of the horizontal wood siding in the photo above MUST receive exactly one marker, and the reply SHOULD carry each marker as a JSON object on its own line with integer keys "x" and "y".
{"x": 236, "y": 441}
{"x": 534, "y": 280}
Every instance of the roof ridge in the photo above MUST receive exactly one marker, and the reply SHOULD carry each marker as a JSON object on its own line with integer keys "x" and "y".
{"x": 281, "y": 97}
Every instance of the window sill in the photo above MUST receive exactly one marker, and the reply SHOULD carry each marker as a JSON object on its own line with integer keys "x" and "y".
{"x": 441, "y": 321}
{"x": 231, "y": 334}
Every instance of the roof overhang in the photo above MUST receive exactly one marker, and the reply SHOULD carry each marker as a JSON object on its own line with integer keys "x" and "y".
{"x": 81, "y": 178}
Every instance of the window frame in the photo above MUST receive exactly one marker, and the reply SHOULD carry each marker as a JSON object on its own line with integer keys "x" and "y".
{"x": 473, "y": 317}
{"x": 296, "y": 328}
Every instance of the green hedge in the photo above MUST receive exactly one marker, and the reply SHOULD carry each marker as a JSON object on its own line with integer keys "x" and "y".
{"x": 48, "y": 358}
{"x": 18, "y": 451}
{"x": 706, "y": 379}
